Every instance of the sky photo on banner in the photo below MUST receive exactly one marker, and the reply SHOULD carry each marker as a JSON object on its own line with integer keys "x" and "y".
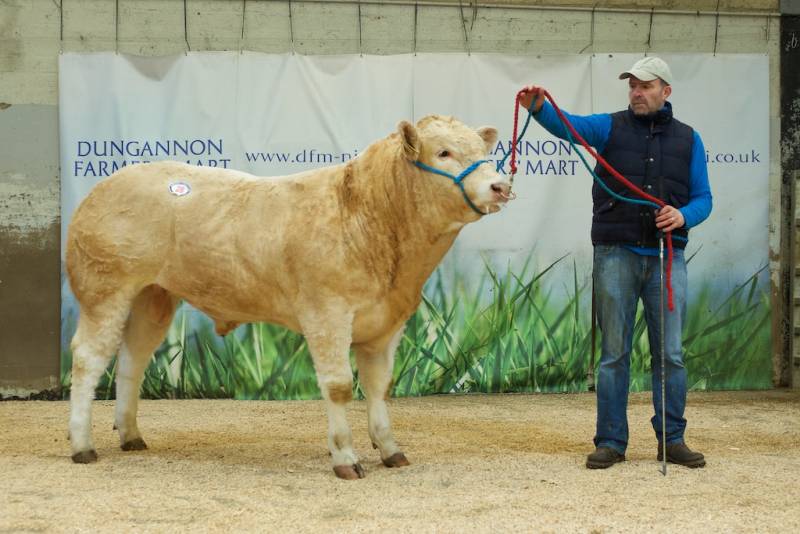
{"x": 508, "y": 310}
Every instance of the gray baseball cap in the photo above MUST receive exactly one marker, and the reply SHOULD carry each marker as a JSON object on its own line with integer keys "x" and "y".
{"x": 649, "y": 68}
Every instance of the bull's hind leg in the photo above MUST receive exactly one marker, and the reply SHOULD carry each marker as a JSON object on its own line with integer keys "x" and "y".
{"x": 151, "y": 315}
{"x": 375, "y": 374}
{"x": 96, "y": 339}
{"x": 329, "y": 342}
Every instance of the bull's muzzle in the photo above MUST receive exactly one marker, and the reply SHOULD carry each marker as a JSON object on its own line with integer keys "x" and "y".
{"x": 503, "y": 192}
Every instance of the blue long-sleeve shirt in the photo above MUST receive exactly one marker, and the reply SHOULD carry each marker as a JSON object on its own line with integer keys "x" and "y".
{"x": 596, "y": 129}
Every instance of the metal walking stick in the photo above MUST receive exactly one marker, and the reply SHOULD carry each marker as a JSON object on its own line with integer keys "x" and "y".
{"x": 590, "y": 383}
{"x": 663, "y": 367}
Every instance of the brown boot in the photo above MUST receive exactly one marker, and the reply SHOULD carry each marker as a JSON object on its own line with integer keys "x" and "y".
{"x": 679, "y": 453}
{"x": 603, "y": 457}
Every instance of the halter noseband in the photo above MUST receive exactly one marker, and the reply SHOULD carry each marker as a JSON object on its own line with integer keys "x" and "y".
{"x": 458, "y": 180}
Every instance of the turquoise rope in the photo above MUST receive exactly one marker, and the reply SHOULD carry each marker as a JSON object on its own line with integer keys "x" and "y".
{"x": 502, "y": 162}
{"x": 601, "y": 182}
{"x": 608, "y": 189}
{"x": 458, "y": 180}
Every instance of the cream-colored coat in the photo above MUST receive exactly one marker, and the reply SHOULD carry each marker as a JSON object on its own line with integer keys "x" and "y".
{"x": 339, "y": 254}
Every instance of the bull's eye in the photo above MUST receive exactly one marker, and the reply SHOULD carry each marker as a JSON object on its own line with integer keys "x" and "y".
{"x": 443, "y": 154}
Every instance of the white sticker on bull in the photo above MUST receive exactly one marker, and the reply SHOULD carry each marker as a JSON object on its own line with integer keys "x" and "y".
{"x": 339, "y": 254}
{"x": 180, "y": 189}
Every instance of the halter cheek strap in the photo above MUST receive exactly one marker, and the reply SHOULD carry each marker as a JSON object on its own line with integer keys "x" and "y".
{"x": 458, "y": 180}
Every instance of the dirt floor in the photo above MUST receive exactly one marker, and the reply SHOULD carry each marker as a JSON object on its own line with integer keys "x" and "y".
{"x": 479, "y": 463}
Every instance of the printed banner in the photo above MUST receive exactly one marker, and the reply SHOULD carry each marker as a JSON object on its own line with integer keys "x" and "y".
{"x": 508, "y": 310}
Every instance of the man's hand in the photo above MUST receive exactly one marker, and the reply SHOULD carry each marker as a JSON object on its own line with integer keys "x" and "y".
{"x": 532, "y": 92}
{"x": 669, "y": 219}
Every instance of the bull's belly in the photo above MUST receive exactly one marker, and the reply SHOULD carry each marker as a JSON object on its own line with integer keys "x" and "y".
{"x": 235, "y": 306}
{"x": 368, "y": 325}
{"x": 230, "y": 304}
{"x": 226, "y": 319}
{"x": 374, "y": 323}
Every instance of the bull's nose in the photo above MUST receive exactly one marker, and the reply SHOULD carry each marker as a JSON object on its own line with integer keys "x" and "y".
{"x": 502, "y": 189}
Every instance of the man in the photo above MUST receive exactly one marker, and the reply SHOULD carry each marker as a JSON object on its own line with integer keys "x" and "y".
{"x": 666, "y": 159}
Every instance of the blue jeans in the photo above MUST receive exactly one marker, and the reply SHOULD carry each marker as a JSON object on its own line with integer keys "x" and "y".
{"x": 621, "y": 278}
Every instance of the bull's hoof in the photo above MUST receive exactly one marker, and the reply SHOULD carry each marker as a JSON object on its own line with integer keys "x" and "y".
{"x": 398, "y": 459}
{"x": 85, "y": 457}
{"x": 137, "y": 444}
{"x": 349, "y": 472}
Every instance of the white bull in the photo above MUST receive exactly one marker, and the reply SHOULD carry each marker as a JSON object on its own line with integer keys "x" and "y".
{"x": 339, "y": 254}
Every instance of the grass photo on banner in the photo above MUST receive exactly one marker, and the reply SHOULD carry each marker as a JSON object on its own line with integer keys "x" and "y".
{"x": 518, "y": 339}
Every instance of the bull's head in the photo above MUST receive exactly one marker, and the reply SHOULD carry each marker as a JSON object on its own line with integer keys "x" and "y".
{"x": 445, "y": 146}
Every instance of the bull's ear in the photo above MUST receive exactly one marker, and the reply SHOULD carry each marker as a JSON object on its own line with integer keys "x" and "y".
{"x": 489, "y": 136}
{"x": 410, "y": 138}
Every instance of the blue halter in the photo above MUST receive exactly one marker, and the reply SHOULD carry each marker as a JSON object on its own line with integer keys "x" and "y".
{"x": 458, "y": 180}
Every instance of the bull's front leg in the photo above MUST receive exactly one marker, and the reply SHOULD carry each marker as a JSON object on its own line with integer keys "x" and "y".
{"x": 375, "y": 367}
{"x": 328, "y": 340}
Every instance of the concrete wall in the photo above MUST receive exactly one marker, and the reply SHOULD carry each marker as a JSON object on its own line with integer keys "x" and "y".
{"x": 32, "y": 32}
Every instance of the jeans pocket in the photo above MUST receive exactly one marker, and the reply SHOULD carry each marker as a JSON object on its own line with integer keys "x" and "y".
{"x": 601, "y": 251}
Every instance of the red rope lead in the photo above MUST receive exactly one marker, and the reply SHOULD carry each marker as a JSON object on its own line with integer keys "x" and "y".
{"x": 608, "y": 167}
{"x": 514, "y": 135}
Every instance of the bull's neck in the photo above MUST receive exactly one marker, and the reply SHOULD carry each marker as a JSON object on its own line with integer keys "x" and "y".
{"x": 401, "y": 220}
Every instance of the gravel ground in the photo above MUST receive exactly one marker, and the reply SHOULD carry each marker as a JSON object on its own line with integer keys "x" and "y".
{"x": 479, "y": 463}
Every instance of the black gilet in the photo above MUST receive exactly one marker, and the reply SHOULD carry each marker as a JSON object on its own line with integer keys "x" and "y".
{"x": 654, "y": 152}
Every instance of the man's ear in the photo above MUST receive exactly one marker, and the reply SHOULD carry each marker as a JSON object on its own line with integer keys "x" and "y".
{"x": 667, "y": 91}
{"x": 410, "y": 139}
{"x": 489, "y": 136}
